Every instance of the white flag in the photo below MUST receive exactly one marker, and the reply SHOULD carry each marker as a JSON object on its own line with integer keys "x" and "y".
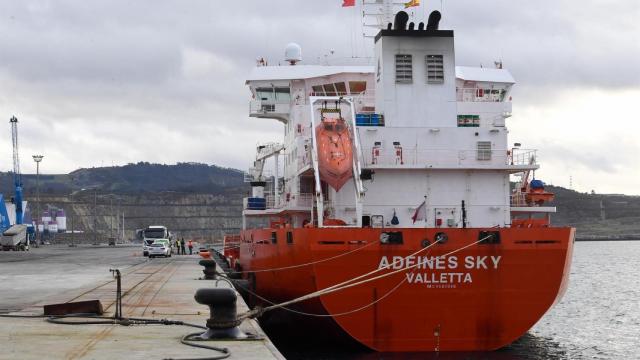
{"x": 420, "y": 213}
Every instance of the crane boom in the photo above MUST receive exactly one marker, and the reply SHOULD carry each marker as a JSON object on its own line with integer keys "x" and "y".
{"x": 17, "y": 176}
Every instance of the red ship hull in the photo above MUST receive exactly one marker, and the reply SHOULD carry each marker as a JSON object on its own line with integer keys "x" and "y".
{"x": 482, "y": 297}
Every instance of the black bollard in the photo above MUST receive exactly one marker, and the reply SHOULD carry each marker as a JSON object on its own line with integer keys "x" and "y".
{"x": 209, "y": 269}
{"x": 223, "y": 321}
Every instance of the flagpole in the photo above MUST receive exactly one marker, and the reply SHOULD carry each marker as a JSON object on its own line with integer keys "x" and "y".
{"x": 426, "y": 211}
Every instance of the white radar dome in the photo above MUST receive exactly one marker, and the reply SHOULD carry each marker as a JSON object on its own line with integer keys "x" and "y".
{"x": 293, "y": 53}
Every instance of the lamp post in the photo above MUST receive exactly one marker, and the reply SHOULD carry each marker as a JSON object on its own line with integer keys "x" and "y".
{"x": 38, "y": 159}
{"x": 95, "y": 216}
{"x": 70, "y": 214}
{"x": 72, "y": 198}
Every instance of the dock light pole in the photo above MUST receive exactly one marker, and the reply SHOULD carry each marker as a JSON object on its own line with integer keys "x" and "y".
{"x": 38, "y": 159}
{"x": 73, "y": 231}
{"x": 95, "y": 216}
{"x": 70, "y": 215}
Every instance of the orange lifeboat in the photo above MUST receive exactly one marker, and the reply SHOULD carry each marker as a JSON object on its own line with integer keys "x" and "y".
{"x": 335, "y": 153}
{"x": 536, "y": 193}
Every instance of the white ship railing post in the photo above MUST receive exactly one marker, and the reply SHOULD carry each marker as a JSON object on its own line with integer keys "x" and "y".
{"x": 356, "y": 162}
{"x": 314, "y": 159}
{"x": 276, "y": 195}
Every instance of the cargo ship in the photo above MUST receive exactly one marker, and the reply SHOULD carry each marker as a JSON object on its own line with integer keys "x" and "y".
{"x": 396, "y": 198}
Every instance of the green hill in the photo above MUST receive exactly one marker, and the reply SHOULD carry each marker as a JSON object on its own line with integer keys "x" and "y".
{"x": 597, "y": 215}
{"x": 137, "y": 178}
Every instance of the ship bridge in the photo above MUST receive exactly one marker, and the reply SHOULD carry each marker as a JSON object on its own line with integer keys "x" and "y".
{"x": 276, "y": 90}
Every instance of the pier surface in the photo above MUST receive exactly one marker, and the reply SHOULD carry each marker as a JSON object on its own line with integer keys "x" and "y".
{"x": 152, "y": 288}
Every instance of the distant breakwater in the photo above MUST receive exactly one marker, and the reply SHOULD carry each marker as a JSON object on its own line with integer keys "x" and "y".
{"x": 623, "y": 237}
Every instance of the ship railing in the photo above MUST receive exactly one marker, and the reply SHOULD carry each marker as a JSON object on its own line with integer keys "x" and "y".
{"x": 270, "y": 201}
{"x": 251, "y": 174}
{"x": 518, "y": 199}
{"x": 298, "y": 200}
{"x": 263, "y": 107}
{"x": 480, "y": 95}
{"x": 523, "y": 157}
{"x": 364, "y": 102}
{"x": 400, "y": 156}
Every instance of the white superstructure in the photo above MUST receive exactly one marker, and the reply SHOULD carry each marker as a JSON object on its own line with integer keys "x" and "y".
{"x": 430, "y": 139}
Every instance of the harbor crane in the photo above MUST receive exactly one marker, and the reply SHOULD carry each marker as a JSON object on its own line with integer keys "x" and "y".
{"x": 16, "y": 236}
{"x": 17, "y": 175}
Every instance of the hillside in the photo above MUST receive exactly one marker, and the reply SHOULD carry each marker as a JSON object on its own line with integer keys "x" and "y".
{"x": 137, "y": 178}
{"x": 597, "y": 215}
{"x": 200, "y": 200}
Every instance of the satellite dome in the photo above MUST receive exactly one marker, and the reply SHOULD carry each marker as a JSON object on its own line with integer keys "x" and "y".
{"x": 293, "y": 53}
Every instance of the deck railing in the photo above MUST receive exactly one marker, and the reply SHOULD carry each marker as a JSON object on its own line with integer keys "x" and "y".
{"x": 364, "y": 102}
{"x": 518, "y": 199}
{"x": 296, "y": 200}
{"x": 413, "y": 156}
{"x": 263, "y": 107}
{"x": 480, "y": 95}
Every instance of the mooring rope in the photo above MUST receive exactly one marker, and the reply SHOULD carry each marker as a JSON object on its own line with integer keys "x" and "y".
{"x": 315, "y": 314}
{"x": 306, "y": 264}
{"x": 349, "y": 283}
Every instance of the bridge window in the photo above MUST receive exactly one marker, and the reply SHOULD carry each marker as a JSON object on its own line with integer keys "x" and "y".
{"x": 265, "y": 94}
{"x": 282, "y": 94}
{"x": 435, "y": 69}
{"x": 318, "y": 90}
{"x": 484, "y": 150}
{"x": 404, "y": 69}
{"x": 340, "y": 88}
{"x": 329, "y": 90}
{"x": 357, "y": 87}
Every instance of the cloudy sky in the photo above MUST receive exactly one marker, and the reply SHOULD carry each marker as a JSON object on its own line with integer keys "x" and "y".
{"x": 96, "y": 83}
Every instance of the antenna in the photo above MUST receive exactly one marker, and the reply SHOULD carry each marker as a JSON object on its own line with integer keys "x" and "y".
{"x": 293, "y": 53}
{"x": 377, "y": 14}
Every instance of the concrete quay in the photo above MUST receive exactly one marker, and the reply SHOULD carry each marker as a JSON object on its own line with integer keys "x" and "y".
{"x": 151, "y": 288}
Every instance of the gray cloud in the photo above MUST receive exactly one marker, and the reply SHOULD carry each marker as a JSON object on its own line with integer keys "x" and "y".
{"x": 97, "y": 81}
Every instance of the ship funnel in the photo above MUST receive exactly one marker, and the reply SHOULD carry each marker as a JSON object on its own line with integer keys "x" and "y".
{"x": 400, "y": 21}
{"x": 434, "y": 20}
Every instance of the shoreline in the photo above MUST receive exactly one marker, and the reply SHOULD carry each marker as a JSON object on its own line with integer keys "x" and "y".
{"x": 604, "y": 238}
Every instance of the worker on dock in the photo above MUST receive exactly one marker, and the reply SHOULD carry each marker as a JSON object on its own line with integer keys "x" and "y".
{"x": 182, "y": 247}
{"x": 190, "y": 247}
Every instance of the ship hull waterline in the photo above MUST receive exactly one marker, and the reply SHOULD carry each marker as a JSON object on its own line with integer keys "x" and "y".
{"x": 480, "y": 298}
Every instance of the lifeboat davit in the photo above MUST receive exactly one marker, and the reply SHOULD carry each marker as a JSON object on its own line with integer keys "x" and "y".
{"x": 335, "y": 153}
